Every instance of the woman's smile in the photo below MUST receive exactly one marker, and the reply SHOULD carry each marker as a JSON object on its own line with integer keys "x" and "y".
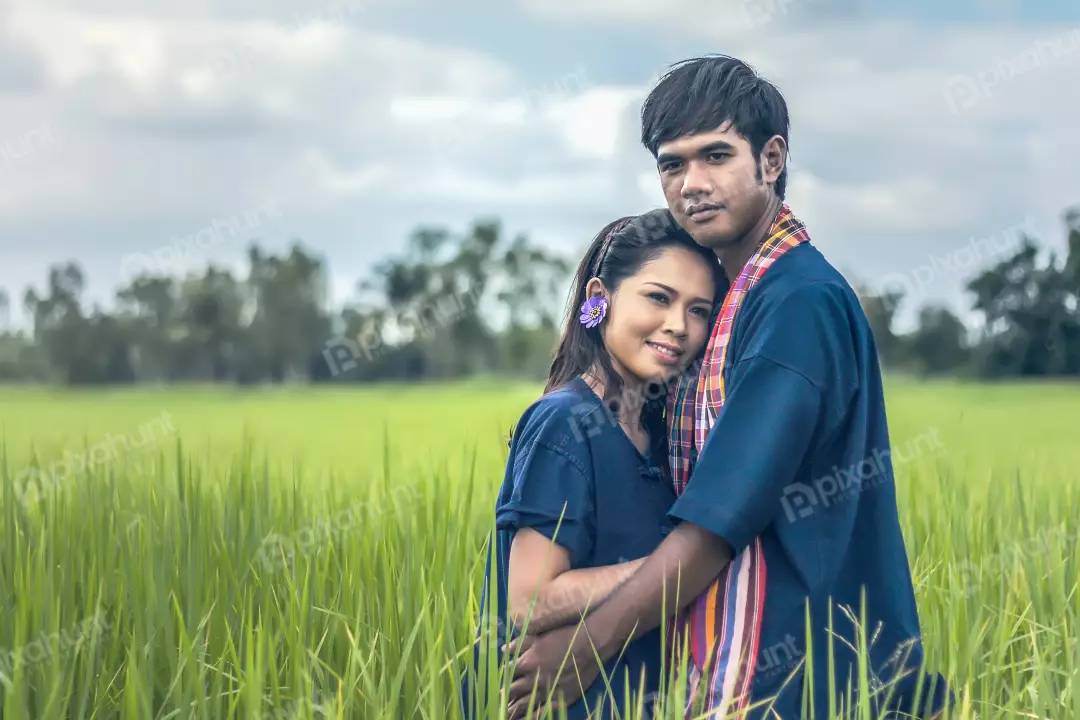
{"x": 668, "y": 354}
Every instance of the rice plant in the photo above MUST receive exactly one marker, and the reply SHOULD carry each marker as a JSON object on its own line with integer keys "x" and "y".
{"x": 320, "y": 554}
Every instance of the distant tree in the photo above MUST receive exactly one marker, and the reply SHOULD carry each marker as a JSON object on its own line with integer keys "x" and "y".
{"x": 59, "y": 326}
{"x": 287, "y": 302}
{"x": 880, "y": 312}
{"x": 938, "y": 345}
{"x": 150, "y": 307}
{"x": 532, "y": 286}
{"x": 1030, "y": 320}
{"x": 457, "y": 304}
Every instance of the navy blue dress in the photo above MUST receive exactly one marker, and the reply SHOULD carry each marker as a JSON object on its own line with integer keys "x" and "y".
{"x": 573, "y": 468}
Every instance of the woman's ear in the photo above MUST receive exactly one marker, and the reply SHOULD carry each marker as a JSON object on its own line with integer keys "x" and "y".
{"x": 595, "y": 288}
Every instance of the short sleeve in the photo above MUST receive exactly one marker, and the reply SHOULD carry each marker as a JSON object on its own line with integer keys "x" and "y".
{"x": 779, "y": 396}
{"x": 814, "y": 330}
{"x": 552, "y": 495}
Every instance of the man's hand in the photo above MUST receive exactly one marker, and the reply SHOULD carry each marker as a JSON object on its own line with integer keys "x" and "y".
{"x": 562, "y": 662}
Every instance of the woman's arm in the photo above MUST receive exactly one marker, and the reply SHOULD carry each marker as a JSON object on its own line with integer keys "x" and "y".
{"x": 543, "y": 591}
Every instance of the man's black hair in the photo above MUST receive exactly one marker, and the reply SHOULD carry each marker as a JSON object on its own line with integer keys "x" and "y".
{"x": 700, "y": 94}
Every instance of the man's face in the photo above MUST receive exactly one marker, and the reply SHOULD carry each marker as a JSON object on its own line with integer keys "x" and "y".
{"x": 715, "y": 185}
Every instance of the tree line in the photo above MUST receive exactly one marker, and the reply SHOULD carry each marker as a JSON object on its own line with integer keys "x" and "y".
{"x": 1027, "y": 305}
{"x": 454, "y": 305}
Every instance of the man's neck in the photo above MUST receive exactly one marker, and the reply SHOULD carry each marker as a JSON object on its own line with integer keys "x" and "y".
{"x": 735, "y": 256}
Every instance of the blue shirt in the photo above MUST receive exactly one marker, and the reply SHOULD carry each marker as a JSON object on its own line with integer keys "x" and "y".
{"x": 799, "y": 456}
{"x": 569, "y": 459}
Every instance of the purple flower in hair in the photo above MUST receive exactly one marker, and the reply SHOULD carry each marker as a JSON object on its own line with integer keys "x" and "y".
{"x": 593, "y": 311}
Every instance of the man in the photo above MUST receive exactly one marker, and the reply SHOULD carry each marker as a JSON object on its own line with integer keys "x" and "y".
{"x": 775, "y": 543}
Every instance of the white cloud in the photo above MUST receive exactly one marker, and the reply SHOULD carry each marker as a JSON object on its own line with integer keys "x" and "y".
{"x": 337, "y": 181}
{"x": 163, "y": 109}
{"x": 891, "y": 164}
{"x": 906, "y": 204}
{"x": 177, "y": 114}
{"x": 870, "y": 113}
{"x": 728, "y": 18}
{"x": 589, "y": 124}
{"x": 555, "y": 190}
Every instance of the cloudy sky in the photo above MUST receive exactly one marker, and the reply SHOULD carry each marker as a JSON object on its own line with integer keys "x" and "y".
{"x": 925, "y": 134}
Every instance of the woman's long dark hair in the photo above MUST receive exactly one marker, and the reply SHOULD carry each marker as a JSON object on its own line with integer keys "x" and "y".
{"x": 617, "y": 252}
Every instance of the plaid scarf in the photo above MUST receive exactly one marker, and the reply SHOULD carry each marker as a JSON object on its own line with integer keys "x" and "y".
{"x": 724, "y": 623}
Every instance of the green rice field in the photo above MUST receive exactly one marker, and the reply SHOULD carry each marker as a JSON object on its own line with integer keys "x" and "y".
{"x": 304, "y": 553}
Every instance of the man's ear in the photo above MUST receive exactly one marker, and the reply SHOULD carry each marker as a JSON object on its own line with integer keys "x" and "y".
{"x": 773, "y": 159}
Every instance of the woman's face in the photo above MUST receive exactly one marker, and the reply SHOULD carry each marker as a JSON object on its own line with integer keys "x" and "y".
{"x": 658, "y": 319}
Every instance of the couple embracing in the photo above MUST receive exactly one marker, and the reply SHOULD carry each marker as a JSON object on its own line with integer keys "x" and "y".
{"x": 637, "y": 528}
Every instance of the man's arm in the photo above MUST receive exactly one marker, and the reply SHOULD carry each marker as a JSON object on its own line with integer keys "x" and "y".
{"x": 686, "y": 563}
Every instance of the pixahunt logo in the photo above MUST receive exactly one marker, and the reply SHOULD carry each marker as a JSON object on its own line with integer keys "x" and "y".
{"x": 801, "y": 500}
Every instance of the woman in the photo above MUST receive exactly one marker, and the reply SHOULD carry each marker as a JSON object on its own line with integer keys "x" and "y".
{"x": 586, "y": 491}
